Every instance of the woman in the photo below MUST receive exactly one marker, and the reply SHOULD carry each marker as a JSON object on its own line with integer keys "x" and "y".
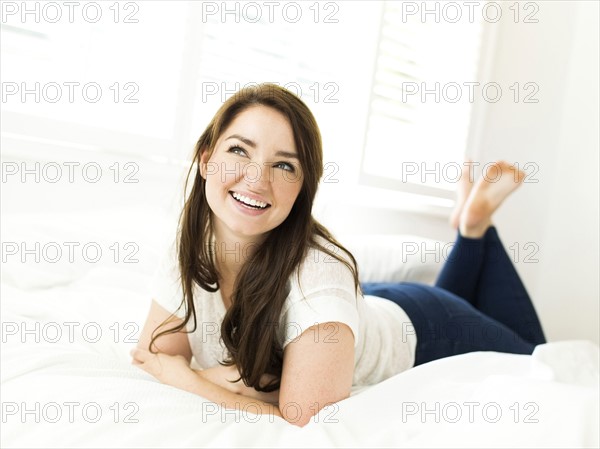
{"x": 269, "y": 303}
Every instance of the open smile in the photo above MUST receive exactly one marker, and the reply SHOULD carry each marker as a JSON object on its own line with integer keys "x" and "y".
{"x": 249, "y": 202}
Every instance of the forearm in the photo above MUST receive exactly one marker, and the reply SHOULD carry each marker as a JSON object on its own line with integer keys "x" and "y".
{"x": 227, "y": 377}
{"x": 216, "y": 377}
{"x": 223, "y": 397}
{"x": 176, "y": 371}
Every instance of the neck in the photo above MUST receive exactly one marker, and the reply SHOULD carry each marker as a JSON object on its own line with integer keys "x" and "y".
{"x": 231, "y": 253}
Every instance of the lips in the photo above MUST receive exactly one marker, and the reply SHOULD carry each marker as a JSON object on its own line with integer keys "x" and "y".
{"x": 249, "y": 202}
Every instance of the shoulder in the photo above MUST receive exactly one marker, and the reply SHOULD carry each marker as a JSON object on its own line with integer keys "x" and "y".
{"x": 321, "y": 332}
{"x": 326, "y": 270}
{"x": 325, "y": 265}
{"x": 322, "y": 290}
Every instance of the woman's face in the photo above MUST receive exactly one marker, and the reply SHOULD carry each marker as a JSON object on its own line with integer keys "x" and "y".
{"x": 253, "y": 176}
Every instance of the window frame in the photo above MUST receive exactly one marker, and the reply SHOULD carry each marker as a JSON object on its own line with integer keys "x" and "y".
{"x": 474, "y": 129}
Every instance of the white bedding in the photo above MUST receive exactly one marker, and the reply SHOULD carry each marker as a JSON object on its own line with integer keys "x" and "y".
{"x": 552, "y": 395}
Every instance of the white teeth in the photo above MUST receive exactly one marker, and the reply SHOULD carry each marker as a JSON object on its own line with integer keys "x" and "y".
{"x": 249, "y": 201}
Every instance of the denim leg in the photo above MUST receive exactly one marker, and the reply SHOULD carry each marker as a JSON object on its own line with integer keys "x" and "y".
{"x": 481, "y": 272}
{"x": 462, "y": 268}
{"x": 502, "y": 295}
{"x": 445, "y": 324}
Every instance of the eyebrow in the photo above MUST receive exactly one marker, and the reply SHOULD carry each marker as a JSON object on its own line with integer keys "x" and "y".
{"x": 253, "y": 145}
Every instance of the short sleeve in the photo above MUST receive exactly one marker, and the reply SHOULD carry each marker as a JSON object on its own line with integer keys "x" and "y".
{"x": 323, "y": 292}
{"x": 165, "y": 287}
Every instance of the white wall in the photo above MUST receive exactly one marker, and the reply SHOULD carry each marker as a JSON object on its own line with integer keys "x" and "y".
{"x": 553, "y": 221}
{"x": 568, "y": 275}
{"x": 558, "y": 215}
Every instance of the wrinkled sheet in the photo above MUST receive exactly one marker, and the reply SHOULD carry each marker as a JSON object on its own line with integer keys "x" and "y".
{"x": 67, "y": 380}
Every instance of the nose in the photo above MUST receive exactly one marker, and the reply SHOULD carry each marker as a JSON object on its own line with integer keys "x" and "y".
{"x": 256, "y": 176}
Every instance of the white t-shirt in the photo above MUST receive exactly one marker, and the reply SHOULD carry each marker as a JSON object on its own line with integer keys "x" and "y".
{"x": 384, "y": 339}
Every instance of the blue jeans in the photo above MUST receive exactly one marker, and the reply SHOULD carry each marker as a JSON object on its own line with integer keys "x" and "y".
{"x": 478, "y": 303}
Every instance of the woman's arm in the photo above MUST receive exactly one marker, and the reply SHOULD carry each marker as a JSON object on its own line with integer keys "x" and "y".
{"x": 221, "y": 375}
{"x": 178, "y": 344}
{"x": 318, "y": 369}
{"x": 175, "y": 371}
{"x": 173, "y": 344}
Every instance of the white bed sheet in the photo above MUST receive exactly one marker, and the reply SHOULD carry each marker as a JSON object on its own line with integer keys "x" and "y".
{"x": 549, "y": 399}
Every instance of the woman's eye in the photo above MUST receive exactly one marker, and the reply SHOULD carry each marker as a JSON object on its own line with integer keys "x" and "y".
{"x": 237, "y": 150}
{"x": 285, "y": 166}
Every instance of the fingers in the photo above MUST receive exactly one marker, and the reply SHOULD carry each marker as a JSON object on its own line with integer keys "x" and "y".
{"x": 139, "y": 355}
{"x": 144, "y": 359}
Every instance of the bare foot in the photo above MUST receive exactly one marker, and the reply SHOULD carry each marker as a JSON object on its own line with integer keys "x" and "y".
{"x": 499, "y": 181}
{"x": 465, "y": 184}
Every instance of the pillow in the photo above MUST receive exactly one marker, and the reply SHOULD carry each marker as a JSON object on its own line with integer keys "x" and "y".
{"x": 396, "y": 257}
{"x": 380, "y": 257}
{"x": 45, "y": 250}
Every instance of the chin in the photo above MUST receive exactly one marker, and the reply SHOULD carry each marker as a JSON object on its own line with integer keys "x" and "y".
{"x": 244, "y": 231}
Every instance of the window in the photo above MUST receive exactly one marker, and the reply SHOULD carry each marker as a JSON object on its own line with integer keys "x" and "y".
{"x": 95, "y": 84}
{"x": 145, "y": 85}
{"x": 420, "y": 105}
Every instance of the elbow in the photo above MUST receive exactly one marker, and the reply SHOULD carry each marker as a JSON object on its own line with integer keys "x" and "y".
{"x": 301, "y": 415}
{"x": 298, "y": 421}
{"x": 300, "y": 424}
{"x": 296, "y": 414}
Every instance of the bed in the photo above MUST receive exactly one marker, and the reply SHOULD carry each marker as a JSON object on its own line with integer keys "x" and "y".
{"x": 67, "y": 381}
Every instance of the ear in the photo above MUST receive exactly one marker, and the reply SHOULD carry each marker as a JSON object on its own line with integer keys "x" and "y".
{"x": 203, "y": 162}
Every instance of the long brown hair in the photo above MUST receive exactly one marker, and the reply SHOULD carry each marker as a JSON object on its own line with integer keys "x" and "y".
{"x": 249, "y": 328}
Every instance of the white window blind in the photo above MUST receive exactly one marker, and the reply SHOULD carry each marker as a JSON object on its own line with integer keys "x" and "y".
{"x": 185, "y": 64}
{"x": 105, "y": 85}
{"x": 415, "y": 118}
{"x": 250, "y": 52}
{"x": 131, "y": 70}
{"x": 167, "y": 67}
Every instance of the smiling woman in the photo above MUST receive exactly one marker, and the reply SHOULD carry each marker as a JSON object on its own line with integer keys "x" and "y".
{"x": 284, "y": 325}
{"x": 245, "y": 230}
{"x": 250, "y": 175}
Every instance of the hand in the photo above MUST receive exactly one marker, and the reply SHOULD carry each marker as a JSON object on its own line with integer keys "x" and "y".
{"x": 171, "y": 370}
{"x": 221, "y": 375}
